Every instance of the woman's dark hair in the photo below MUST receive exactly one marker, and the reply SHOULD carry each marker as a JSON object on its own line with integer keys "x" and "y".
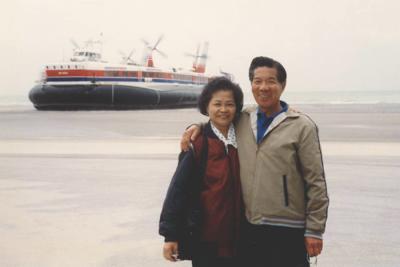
{"x": 220, "y": 84}
{"x": 270, "y": 63}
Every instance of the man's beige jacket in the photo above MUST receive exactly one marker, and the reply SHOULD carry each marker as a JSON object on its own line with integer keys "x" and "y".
{"x": 283, "y": 179}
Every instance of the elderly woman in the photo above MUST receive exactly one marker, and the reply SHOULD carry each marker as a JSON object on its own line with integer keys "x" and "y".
{"x": 202, "y": 210}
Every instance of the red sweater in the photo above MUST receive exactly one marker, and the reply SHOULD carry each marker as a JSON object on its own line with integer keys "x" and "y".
{"x": 220, "y": 197}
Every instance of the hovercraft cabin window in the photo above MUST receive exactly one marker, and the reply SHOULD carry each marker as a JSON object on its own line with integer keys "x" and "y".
{"x": 152, "y": 74}
{"x": 111, "y": 73}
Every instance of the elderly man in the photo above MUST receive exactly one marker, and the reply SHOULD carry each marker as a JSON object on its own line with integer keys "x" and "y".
{"x": 282, "y": 175}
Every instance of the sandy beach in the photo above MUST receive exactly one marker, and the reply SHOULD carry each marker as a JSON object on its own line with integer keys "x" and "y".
{"x": 85, "y": 188}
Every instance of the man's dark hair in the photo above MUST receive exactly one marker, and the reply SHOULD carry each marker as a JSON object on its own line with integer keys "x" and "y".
{"x": 270, "y": 63}
{"x": 220, "y": 84}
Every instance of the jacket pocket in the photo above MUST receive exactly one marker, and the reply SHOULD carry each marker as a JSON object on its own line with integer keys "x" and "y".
{"x": 285, "y": 190}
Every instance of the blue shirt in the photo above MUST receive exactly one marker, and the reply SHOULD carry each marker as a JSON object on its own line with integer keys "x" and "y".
{"x": 263, "y": 121}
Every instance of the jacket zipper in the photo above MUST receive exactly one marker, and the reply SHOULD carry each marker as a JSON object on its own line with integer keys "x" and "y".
{"x": 285, "y": 190}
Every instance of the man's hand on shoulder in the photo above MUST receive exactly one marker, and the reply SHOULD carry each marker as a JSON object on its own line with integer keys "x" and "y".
{"x": 190, "y": 134}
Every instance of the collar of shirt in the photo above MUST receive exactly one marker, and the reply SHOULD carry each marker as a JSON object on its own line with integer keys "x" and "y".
{"x": 284, "y": 107}
{"x": 231, "y": 140}
{"x": 259, "y": 118}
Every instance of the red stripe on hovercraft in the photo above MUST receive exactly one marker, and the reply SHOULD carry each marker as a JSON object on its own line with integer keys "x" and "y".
{"x": 75, "y": 73}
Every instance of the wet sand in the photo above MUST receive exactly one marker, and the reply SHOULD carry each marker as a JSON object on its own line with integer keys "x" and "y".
{"x": 86, "y": 188}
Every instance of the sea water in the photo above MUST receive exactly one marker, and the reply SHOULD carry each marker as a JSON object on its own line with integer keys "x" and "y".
{"x": 342, "y": 97}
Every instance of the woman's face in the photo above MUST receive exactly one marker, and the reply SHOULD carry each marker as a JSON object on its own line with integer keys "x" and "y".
{"x": 222, "y": 108}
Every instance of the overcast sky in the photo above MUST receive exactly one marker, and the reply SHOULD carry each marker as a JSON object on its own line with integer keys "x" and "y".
{"x": 324, "y": 45}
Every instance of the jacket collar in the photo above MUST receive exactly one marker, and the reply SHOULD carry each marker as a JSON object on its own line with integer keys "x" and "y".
{"x": 289, "y": 113}
{"x": 252, "y": 112}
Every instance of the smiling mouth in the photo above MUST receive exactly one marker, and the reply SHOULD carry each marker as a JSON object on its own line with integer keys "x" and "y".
{"x": 223, "y": 117}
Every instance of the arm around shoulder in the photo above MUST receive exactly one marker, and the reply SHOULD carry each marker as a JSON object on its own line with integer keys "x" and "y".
{"x": 190, "y": 134}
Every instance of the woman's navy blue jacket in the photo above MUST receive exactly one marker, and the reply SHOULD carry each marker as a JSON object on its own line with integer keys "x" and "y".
{"x": 180, "y": 214}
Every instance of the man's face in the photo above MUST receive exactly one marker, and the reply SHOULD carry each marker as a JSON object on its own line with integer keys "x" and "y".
{"x": 267, "y": 89}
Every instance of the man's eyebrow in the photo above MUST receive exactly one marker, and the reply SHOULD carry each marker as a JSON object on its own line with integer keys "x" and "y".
{"x": 269, "y": 78}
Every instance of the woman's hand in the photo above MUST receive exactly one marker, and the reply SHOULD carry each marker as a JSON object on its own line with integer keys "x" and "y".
{"x": 170, "y": 251}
